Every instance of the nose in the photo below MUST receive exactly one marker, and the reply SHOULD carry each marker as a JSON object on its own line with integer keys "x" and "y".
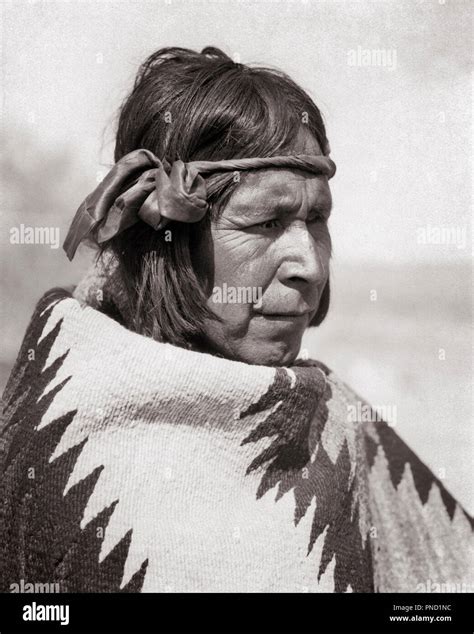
{"x": 305, "y": 262}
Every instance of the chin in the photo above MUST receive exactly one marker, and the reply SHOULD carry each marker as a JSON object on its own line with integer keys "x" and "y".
{"x": 256, "y": 348}
{"x": 271, "y": 354}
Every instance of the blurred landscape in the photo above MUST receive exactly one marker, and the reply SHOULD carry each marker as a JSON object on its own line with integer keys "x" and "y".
{"x": 411, "y": 352}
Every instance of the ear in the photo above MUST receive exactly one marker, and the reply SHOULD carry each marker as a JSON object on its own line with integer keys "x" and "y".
{"x": 323, "y": 307}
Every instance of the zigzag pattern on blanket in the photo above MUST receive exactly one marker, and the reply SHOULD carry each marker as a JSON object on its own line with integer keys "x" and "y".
{"x": 130, "y": 465}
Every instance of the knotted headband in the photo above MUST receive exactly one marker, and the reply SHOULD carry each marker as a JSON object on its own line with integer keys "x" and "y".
{"x": 141, "y": 187}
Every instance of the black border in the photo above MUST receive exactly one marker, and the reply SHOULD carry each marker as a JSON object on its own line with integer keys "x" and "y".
{"x": 239, "y": 613}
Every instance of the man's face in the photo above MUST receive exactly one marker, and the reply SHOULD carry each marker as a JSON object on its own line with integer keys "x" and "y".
{"x": 271, "y": 237}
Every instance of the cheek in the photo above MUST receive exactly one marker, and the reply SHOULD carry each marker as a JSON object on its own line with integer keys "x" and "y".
{"x": 323, "y": 244}
{"x": 241, "y": 260}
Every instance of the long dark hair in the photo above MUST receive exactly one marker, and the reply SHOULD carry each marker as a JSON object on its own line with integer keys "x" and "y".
{"x": 190, "y": 106}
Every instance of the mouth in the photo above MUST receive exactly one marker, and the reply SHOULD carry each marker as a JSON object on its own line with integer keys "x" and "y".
{"x": 285, "y": 316}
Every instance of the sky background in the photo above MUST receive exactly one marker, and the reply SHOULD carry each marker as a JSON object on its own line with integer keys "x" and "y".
{"x": 400, "y": 135}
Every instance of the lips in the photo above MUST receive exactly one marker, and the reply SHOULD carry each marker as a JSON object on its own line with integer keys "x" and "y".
{"x": 283, "y": 315}
{"x": 286, "y": 311}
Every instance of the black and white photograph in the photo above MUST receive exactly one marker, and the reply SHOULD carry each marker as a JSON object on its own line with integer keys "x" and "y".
{"x": 236, "y": 290}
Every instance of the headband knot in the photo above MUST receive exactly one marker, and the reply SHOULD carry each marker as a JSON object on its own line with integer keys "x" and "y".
{"x": 141, "y": 187}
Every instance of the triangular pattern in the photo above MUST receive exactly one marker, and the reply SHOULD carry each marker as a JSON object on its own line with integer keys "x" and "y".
{"x": 35, "y": 516}
{"x": 296, "y": 460}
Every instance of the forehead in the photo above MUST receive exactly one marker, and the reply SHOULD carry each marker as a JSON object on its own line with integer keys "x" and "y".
{"x": 295, "y": 189}
{"x": 278, "y": 186}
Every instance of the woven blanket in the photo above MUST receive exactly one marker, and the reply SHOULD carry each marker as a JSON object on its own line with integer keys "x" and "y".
{"x": 136, "y": 466}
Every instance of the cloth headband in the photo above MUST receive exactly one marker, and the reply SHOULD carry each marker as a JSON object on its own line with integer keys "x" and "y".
{"x": 141, "y": 187}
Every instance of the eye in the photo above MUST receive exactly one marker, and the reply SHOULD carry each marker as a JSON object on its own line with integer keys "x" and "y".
{"x": 316, "y": 217}
{"x": 269, "y": 224}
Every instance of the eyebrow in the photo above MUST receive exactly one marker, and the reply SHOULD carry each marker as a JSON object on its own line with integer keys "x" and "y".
{"x": 280, "y": 207}
{"x": 324, "y": 206}
{"x": 283, "y": 204}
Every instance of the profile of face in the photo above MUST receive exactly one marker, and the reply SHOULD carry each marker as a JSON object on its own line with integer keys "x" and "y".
{"x": 271, "y": 250}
